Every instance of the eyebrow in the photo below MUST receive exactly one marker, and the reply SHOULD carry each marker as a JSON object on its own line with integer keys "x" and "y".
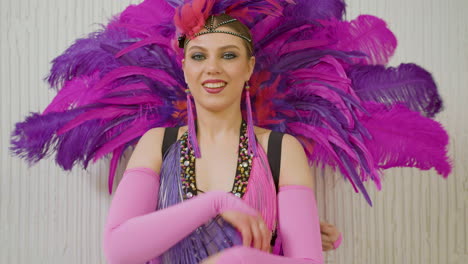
{"x": 221, "y": 48}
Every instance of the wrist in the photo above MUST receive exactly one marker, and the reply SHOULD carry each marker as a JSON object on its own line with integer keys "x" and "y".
{"x": 223, "y": 201}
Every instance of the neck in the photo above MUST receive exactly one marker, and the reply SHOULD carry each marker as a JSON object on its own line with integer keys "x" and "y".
{"x": 215, "y": 126}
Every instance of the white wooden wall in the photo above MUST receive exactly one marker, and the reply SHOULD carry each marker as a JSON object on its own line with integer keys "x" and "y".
{"x": 51, "y": 216}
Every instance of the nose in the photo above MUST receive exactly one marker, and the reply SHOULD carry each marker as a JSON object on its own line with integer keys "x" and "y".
{"x": 213, "y": 66}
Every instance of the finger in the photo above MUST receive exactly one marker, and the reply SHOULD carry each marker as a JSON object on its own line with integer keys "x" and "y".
{"x": 335, "y": 237}
{"x": 322, "y": 226}
{"x": 268, "y": 241}
{"x": 246, "y": 236}
{"x": 266, "y": 234}
{"x": 327, "y": 247}
{"x": 326, "y": 239}
{"x": 257, "y": 236}
{"x": 326, "y": 229}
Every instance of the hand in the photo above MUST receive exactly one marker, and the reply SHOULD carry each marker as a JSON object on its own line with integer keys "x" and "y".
{"x": 253, "y": 229}
{"x": 329, "y": 234}
{"x": 212, "y": 259}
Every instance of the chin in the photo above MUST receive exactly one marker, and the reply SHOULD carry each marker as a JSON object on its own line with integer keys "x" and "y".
{"x": 216, "y": 105}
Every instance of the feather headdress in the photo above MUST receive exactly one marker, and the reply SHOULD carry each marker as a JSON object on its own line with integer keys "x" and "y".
{"x": 318, "y": 78}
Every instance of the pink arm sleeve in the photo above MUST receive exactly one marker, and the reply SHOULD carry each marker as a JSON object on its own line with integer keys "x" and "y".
{"x": 136, "y": 233}
{"x": 299, "y": 229}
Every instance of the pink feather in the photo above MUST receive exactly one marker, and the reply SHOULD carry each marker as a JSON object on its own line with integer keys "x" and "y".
{"x": 126, "y": 71}
{"x": 366, "y": 33}
{"x": 134, "y": 100}
{"x": 404, "y": 138}
{"x": 158, "y": 40}
{"x": 76, "y": 92}
{"x": 110, "y": 112}
{"x": 116, "y": 155}
{"x": 140, "y": 20}
{"x": 137, "y": 129}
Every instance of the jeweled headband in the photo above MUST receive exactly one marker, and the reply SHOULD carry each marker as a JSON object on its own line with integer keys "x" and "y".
{"x": 183, "y": 40}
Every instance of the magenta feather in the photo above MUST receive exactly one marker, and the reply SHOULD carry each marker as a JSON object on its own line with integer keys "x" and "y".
{"x": 149, "y": 18}
{"x": 76, "y": 92}
{"x": 116, "y": 155}
{"x": 191, "y": 124}
{"x": 404, "y": 138}
{"x": 111, "y": 112}
{"x": 135, "y": 130}
{"x": 127, "y": 71}
{"x": 157, "y": 40}
{"x": 311, "y": 81}
{"x": 367, "y": 34}
{"x": 250, "y": 125}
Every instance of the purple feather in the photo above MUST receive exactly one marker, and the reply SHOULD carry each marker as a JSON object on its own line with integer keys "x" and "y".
{"x": 85, "y": 57}
{"x": 104, "y": 113}
{"x": 135, "y": 130}
{"x": 34, "y": 139}
{"x": 408, "y": 84}
{"x": 316, "y": 9}
{"x": 123, "y": 80}
{"x": 72, "y": 148}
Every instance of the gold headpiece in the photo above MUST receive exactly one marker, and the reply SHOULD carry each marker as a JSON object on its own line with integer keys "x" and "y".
{"x": 183, "y": 40}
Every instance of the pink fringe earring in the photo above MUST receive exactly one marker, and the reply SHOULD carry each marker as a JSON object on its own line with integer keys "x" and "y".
{"x": 250, "y": 128}
{"x": 192, "y": 133}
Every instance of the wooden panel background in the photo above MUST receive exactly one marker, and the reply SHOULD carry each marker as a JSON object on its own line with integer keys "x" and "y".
{"x": 51, "y": 216}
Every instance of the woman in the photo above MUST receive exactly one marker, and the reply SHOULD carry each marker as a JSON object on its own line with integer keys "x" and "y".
{"x": 217, "y": 65}
{"x": 312, "y": 75}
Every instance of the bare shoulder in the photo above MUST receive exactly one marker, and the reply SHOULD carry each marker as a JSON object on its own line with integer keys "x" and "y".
{"x": 147, "y": 152}
{"x": 295, "y": 169}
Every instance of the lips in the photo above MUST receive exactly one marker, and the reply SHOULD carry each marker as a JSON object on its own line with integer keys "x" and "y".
{"x": 214, "y": 86}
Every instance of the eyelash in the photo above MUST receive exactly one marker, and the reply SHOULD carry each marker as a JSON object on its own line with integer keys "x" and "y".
{"x": 227, "y": 55}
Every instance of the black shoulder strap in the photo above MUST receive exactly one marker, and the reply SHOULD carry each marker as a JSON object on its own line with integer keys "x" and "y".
{"x": 274, "y": 155}
{"x": 170, "y": 136}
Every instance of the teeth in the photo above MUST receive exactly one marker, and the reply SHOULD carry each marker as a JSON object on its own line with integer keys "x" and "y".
{"x": 214, "y": 85}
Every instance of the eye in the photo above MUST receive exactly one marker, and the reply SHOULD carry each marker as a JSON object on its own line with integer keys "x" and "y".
{"x": 229, "y": 55}
{"x": 198, "y": 56}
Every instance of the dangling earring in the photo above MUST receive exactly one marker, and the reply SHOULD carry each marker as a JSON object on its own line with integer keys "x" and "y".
{"x": 192, "y": 132}
{"x": 250, "y": 127}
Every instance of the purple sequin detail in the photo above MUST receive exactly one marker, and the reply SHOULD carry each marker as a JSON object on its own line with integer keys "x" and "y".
{"x": 206, "y": 240}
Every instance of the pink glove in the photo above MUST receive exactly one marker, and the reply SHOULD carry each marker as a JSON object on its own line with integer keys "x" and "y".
{"x": 337, "y": 243}
{"x": 247, "y": 255}
{"x": 299, "y": 229}
{"x": 299, "y": 224}
{"x": 136, "y": 233}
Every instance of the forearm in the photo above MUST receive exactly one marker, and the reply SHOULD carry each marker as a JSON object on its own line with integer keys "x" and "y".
{"x": 135, "y": 232}
{"x": 144, "y": 237}
{"x": 299, "y": 230}
{"x": 299, "y": 224}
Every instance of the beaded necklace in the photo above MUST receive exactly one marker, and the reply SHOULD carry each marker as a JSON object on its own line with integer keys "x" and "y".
{"x": 243, "y": 168}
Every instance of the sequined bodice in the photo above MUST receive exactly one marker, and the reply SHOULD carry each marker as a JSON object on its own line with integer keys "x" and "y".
{"x": 188, "y": 160}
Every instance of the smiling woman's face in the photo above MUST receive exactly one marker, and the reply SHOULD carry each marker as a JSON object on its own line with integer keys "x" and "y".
{"x": 216, "y": 67}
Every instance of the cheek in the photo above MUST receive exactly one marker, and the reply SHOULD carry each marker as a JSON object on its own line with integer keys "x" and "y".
{"x": 240, "y": 71}
{"x": 191, "y": 73}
